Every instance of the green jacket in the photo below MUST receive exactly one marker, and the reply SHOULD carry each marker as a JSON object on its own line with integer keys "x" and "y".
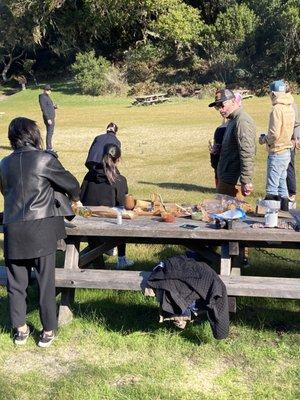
{"x": 238, "y": 149}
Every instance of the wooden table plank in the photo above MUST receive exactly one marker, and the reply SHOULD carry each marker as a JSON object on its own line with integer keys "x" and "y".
{"x": 148, "y": 228}
{"x": 254, "y": 286}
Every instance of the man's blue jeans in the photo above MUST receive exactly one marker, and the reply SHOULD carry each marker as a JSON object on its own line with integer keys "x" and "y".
{"x": 277, "y": 172}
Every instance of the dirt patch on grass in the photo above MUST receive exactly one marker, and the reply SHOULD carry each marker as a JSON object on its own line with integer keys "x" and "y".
{"x": 52, "y": 365}
{"x": 204, "y": 377}
{"x": 127, "y": 380}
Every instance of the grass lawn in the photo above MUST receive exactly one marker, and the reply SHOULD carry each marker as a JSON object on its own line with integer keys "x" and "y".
{"x": 115, "y": 348}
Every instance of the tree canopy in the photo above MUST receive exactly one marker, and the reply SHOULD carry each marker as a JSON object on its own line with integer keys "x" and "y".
{"x": 205, "y": 40}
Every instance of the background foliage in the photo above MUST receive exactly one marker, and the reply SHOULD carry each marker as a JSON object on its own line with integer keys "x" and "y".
{"x": 245, "y": 42}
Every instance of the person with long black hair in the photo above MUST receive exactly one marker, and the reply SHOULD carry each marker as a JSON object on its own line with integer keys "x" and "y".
{"x": 29, "y": 178}
{"x": 103, "y": 185}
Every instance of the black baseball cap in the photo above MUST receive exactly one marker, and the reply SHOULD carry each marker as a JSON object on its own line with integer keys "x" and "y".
{"x": 222, "y": 95}
{"x": 47, "y": 87}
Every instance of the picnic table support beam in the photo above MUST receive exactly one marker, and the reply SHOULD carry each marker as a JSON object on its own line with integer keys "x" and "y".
{"x": 225, "y": 262}
{"x": 229, "y": 255}
{"x": 88, "y": 256}
{"x": 65, "y": 315}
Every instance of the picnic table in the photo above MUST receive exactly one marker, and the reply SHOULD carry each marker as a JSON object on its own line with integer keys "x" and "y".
{"x": 150, "y": 99}
{"x": 203, "y": 239}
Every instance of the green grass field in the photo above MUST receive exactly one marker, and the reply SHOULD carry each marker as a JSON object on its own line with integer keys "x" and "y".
{"x": 115, "y": 348}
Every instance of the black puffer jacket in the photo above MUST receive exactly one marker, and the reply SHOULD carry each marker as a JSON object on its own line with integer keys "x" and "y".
{"x": 28, "y": 179}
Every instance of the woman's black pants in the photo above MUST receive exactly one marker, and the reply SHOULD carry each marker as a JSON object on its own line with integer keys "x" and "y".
{"x": 18, "y": 275}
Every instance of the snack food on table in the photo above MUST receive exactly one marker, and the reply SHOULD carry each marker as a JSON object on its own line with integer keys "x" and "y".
{"x": 167, "y": 217}
{"x": 221, "y": 203}
{"x": 110, "y": 212}
{"x": 197, "y": 216}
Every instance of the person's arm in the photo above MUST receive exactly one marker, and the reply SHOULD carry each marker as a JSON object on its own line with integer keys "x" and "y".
{"x": 61, "y": 179}
{"x": 275, "y": 124}
{"x": 247, "y": 148}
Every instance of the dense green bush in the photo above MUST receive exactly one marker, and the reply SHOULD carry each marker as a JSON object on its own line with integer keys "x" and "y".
{"x": 142, "y": 63}
{"x": 145, "y": 88}
{"x": 96, "y": 75}
{"x": 90, "y": 73}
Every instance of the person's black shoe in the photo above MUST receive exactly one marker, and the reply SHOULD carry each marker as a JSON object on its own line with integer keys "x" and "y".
{"x": 46, "y": 339}
{"x": 20, "y": 338}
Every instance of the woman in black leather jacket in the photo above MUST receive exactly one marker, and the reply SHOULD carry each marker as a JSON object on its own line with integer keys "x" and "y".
{"x": 29, "y": 178}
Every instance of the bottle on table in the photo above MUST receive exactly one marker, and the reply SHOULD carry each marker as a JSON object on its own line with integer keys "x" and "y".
{"x": 119, "y": 216}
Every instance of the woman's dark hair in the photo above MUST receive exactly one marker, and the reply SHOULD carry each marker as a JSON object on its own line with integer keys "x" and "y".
{"x": 111, "y": 155}
{"x": 111, "y": 127}
{"x": 24, "y": 131}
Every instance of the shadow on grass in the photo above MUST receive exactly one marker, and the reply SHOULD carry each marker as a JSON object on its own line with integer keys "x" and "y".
{"x": 65, "y": 87}
{"x": 32, "y": 305}
{"x": 68, "y": 88}
{"x": 121, "y": 316}
{"x": 5, "y": 148}
{"x": 181, "y": 186}
{"x": 270, "y": 314}
{"x": 10, "y": 91}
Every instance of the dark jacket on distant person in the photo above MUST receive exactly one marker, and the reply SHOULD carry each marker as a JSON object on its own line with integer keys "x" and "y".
{"x": 47, "y": 106}
{"x": 96, "y": 150}
{"x": 238, "y": 149}
{"x": 184, "y": 281}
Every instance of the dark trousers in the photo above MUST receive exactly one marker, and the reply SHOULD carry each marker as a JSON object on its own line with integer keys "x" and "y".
{"x": 18, "y": 274}
{"x": 226, "y": 188}
{"x": 291, "y": 175}
{"x": 49, "y": 133}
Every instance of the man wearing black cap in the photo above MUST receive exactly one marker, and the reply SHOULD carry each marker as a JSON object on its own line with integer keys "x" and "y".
{"x": 48, "y": 110}
{"x": 238, "y": 147}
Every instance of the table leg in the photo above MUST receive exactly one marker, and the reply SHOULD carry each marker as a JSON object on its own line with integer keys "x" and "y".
{"x": 229, "y": 252}
{"x": 65, "y": 314}
{"x": 225, "y": 264}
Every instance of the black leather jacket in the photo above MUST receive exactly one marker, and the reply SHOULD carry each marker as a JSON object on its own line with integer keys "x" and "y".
{"x": 28, "y": 179}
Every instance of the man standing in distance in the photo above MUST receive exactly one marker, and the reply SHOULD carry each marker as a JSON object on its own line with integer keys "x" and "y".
{"x": 48, "y": 110}
{"x": 238, "y": 146}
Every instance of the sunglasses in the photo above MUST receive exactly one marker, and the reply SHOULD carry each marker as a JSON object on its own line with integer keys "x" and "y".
{"x": 220, "y": 105}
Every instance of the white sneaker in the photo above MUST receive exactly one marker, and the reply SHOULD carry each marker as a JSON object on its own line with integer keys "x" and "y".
{"x": 124, "y": 262}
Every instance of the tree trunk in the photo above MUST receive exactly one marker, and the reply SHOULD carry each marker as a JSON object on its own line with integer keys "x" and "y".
{"x": 7, "y": 65}
{"x": 5, "y": 71}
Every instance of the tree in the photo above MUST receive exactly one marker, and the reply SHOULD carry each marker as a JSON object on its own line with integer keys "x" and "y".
{"x": 228, "y": 40}
{"x": 11, "y": 42}
{"x": 179, "y": 26}
{"x": 289, "y": 30}
{"x": 90, "y": 73}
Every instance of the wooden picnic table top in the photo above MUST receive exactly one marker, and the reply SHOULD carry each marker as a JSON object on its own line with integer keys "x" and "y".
{"x": 152, "y": 228}
{"x": 150, "y": 96}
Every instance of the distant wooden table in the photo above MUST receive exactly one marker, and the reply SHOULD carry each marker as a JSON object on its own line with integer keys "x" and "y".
{"x": 150, "y": 99}
{"x": 203, "y": 239}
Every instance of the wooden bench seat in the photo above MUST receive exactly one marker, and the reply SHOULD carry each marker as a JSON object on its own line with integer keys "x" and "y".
{"x": 254, "y": 286}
